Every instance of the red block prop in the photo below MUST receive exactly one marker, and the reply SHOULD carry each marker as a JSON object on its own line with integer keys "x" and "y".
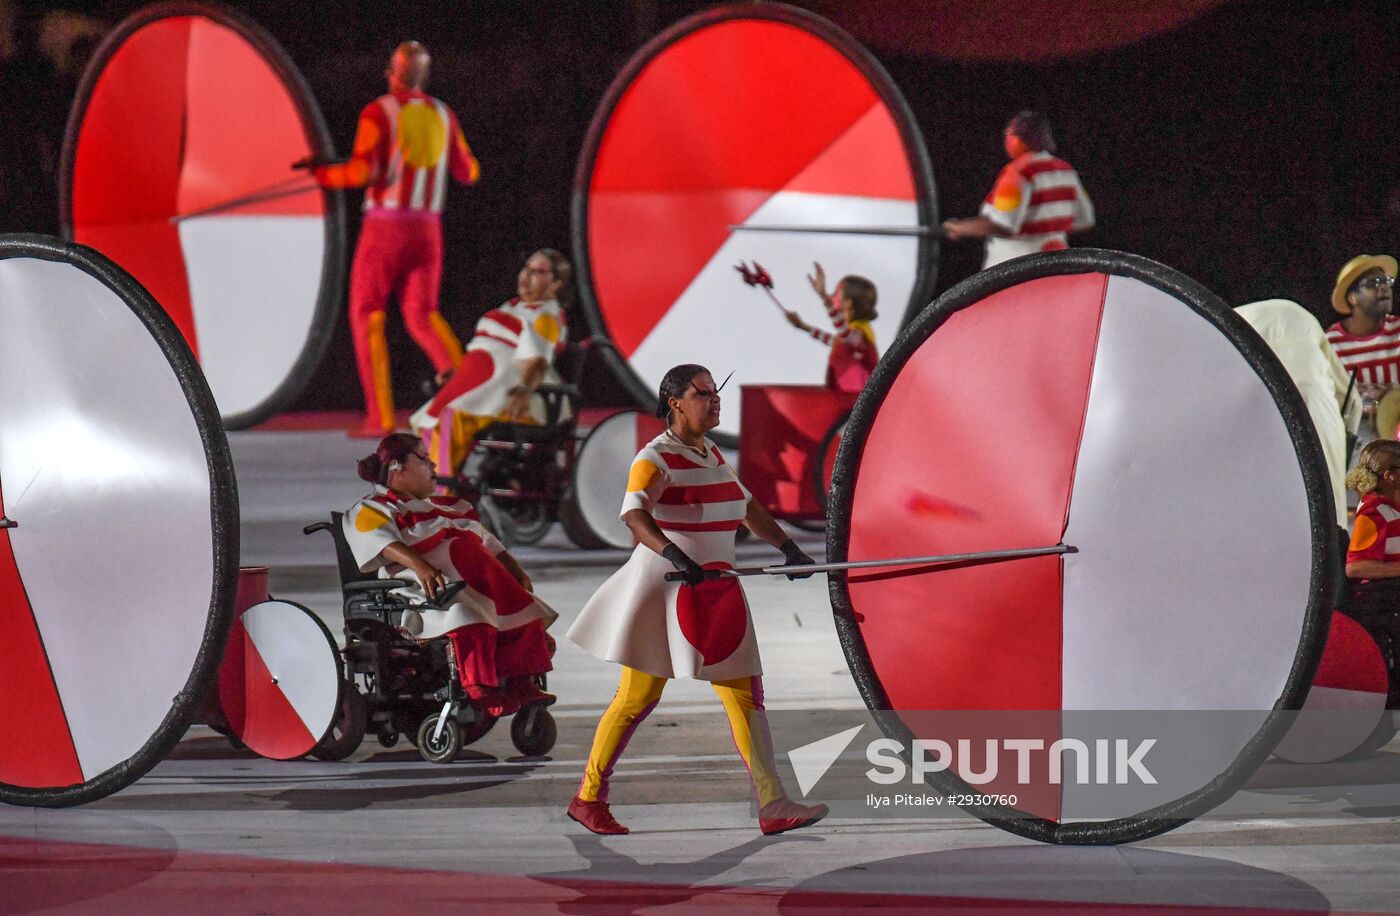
{"x": 784, "y": 426}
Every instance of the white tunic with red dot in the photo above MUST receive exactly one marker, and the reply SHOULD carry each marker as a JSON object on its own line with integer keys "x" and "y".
{"x": 668, "y": 629}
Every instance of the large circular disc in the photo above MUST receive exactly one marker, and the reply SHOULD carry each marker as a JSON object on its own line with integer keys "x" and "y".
{"x": 279, "y": 684}
{"x": 1106, "y": 402}
{"x": 600, "y": 473}
{"x": 1347, "y": 699}
{"x": 751, "y": 115}
{"x": 117, "y": 585}
{"x": 176, "y": 165}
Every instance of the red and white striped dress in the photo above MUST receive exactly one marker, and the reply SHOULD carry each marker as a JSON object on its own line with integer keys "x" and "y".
{"x": 1376, "y": 358}
{"x": 446, "y": 532}
{"x": 667, "y": 629}
{"x": 1040, "y": 200}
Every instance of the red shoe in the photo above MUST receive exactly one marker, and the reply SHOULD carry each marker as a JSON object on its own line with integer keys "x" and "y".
{"x": 525, "y": 692}
{"x": 369, "y": 429}
{"x": 785, "y": 814}
{"x": 596, "y": 817}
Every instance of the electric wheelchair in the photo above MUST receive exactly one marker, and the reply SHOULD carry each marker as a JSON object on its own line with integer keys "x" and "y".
{"x": 396, "y": 685}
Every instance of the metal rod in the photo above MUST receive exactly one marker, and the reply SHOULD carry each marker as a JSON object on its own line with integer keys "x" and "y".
{"x": 838, "y": 230}
{"x": 6, "y": 522}
{"x": 274, "y": 192}
{"x": 1018, "y": 554}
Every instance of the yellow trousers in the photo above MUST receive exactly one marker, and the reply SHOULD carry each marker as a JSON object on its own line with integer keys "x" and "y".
{"x": 638, "y": 695}
{"x": 450, "y": 451}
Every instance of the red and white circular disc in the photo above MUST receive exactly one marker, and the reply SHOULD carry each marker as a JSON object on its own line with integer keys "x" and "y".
{"x": 117, "y": 581}
{"x": 177, "y": 165}
{"x": 600, "y": 473}
{"x": 750, "y": 132}
{"x": 1101, "y": 401}
{"x": 280, "y": 681}
{"x": 1347, "y": 699}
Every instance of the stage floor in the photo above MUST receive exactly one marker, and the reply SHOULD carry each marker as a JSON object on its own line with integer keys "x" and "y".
{"x": 212, "y": 829}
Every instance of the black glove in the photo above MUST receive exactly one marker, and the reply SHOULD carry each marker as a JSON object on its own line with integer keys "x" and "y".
{"x": 687, "y": 567}
{"x": 795, "y": 557}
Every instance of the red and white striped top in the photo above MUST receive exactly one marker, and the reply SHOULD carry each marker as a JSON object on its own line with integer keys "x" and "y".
{"x": 405, "y": 146}
{"x": 1039, "y": 197}
{"x": 530, "y": 328}
{"x": 684, "y": 490}
{"x": 384, "y": 517}
{"x": 1376, "y": 358}
{"x": 1375, "y": 535}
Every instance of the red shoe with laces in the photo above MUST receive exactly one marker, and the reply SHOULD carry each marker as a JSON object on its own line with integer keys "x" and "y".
{"x": 596, "y": 816}
{"x": 785, "y": 814}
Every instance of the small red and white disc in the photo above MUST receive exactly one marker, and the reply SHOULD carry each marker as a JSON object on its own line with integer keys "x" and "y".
{"x": 600, "y": 479}
{"x": 279, "y": 684}
{"x": 1347, "y": 699}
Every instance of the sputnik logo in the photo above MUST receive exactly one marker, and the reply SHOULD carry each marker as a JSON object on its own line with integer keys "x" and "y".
{"x": 811, "y": 761}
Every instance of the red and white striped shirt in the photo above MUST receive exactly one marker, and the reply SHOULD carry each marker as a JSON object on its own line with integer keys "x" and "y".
{"x": 684, "y": 490}
{"x": 405, "y": 145}
{"x": 1375, "y": 535}
{"x": 1375, "y": 358}
{"x": 1038, "y": 198}
{"x": 530, "y": 328}
{"x": 385, "y": 517}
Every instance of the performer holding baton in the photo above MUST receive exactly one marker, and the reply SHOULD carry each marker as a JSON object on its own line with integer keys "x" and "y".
{"x": 683, "y": 505}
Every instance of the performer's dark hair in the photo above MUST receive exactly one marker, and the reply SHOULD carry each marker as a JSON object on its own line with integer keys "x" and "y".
{"x": 563, "y": 270}
{"x": 393, "y": 447}
{"x": 673, "y": 385}
{"x": 1034, "y": 130}
{"x": 862, "y": 294}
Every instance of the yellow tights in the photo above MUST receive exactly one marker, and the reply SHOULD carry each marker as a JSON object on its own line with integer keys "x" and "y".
{"x": 638, "y": 695}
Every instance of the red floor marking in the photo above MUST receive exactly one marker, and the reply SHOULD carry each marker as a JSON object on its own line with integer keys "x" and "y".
{"x": 86, "y": 877}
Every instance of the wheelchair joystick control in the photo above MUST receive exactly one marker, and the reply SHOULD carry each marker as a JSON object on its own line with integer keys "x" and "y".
{"x": 7, "y": 522}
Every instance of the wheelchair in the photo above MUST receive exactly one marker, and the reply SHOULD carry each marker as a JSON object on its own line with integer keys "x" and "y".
{"x": 523, "y": 477}
{"x": 396, "y": 685}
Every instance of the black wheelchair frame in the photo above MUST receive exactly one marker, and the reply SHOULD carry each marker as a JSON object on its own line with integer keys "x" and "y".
{"x": 410, "y": 687}
{"x": 523, "y": 481}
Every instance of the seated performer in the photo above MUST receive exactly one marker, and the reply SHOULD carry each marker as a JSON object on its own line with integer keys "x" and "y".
{"x": 496, "y": 626}
{"x": 510, "y": 354}
{"x": 1367, "y": 338}
{"x": 851, "y": 308}
{"x": 1036, "y": 202}
{"x": 683, "y": 505}
{"x": 1373, "y": 556}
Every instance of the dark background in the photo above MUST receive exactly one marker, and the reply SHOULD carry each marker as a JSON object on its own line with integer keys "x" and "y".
{"x": 1251, "y": 145}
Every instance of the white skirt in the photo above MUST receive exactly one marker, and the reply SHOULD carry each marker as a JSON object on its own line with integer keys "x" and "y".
{"x": 468, "y": 607}
{"x": 668, "y": 629}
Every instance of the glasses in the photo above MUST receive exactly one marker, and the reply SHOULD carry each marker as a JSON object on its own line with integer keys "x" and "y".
{"x": 542, "y": 271}
{"x": 1375, "y": 283}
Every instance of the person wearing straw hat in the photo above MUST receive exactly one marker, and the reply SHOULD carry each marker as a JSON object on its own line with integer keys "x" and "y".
{"x": 1367, "y": 338}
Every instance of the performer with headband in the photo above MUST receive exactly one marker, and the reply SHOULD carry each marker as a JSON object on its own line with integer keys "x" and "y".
{"x": 496, "y": 625}
{"x": 510, "y": 354}
{"x": 405, "y": 145}
{"x": 851, "y": 308}
{"x": 1036, "y": 202}
{"x": 683, "y": 505}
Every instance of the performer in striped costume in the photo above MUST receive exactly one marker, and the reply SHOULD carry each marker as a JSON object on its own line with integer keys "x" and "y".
{"x": 1367, "y": 338}
{"x": 1036, "y": 202}
{"x": 684, "y": 504}
{"x": 851, "y": 309}
{"x": 511, "y": 353}
{"x": 1374, "y": 552}
{"x": 406, "y": 144}
{"x": 496, "y": 625}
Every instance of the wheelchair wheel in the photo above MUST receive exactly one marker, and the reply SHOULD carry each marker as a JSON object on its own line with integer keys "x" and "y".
{"x": 440, "y": 747}
{"x": 388, "y": 739}
{"x": 825, "y": 459}
{"x": 533, "y": 731}
{"x": 528, "y": 522}
{"x": 348, "y": 729}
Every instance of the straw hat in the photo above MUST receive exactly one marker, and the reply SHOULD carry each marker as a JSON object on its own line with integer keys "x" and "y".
{"x": 1353, "y": 269}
